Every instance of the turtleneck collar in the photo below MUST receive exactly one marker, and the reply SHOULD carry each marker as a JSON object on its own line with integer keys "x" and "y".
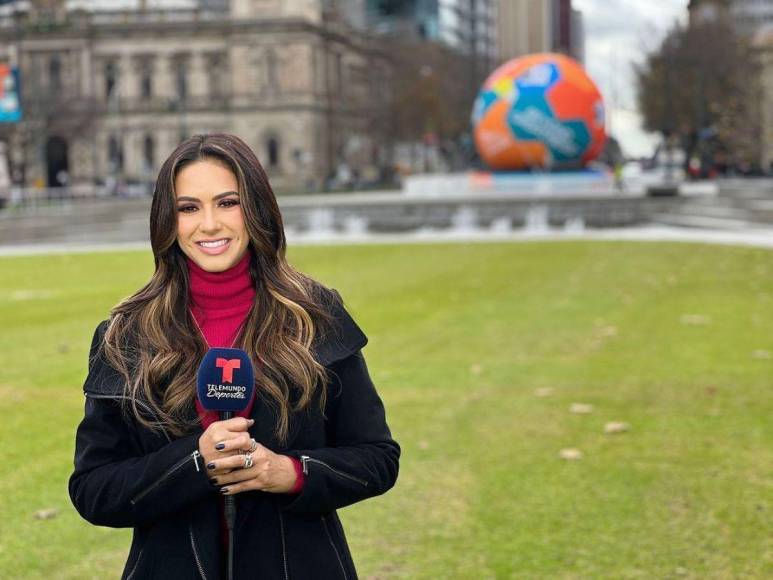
{"x": 229, "y": 290}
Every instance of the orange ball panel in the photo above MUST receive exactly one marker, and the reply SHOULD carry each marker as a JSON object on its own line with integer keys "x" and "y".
{"x": 498, "y": 147}
{"x": 574, "y": 97}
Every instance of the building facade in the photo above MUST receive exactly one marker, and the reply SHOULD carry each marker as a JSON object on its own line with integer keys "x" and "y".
{"x": 468, "y": 26}
{"x": 577, "y": 44}
{"x": 107, "y": 94}
{"x": 751, "y": 15}
{"x": 532, "y": 26}
{"x": 523, "y": 27}
{"x": 748, "y": 16}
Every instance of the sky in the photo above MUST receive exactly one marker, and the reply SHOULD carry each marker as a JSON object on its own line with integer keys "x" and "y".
{"x": 617, "y": 34}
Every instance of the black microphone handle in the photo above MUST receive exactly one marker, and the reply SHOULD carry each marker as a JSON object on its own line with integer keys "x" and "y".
{"x": 230, "y": 513}
{"x": 230, "y": 501}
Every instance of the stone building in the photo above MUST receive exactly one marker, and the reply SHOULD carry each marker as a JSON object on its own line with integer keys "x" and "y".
{"x": 524, "y": 27}
{"x": 107, "y": 93}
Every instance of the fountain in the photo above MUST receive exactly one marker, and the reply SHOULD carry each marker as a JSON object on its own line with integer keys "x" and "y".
{"x": 537, "y": 220}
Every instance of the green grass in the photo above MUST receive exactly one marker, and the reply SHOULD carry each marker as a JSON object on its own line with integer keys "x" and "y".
{"x": 673, "y": 339}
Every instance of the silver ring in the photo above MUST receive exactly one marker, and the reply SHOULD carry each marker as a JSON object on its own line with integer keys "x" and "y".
{"x": 253, "y": 445}
{"x": 247, "y": 461}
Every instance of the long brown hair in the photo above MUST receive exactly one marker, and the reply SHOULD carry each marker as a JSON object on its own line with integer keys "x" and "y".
{"x": 152, "y": 339}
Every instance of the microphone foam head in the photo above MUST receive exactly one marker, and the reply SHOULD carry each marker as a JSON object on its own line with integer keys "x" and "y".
{"x": 226, "y": 380}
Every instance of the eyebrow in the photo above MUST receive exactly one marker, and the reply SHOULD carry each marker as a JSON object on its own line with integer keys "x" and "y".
{"x": 218, "y": 196}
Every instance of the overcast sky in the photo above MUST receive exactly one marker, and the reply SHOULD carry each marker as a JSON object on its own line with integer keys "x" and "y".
{"x": 618, "y": 33}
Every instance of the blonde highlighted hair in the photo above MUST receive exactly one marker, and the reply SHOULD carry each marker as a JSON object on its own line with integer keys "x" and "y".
{"x": 152, "y": 339}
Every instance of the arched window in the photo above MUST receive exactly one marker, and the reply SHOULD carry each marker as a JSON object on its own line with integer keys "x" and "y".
{"x": 272, "y": 151}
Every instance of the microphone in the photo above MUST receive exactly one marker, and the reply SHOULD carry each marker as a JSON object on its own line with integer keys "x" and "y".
{"x": 226, "y": 383}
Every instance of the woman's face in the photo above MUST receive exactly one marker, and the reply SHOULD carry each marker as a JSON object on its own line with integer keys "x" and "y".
{"x": 210, "y": 224}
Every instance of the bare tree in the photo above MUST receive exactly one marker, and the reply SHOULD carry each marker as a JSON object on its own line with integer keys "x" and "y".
{"x": 701, "y": 86}
{"x": 432, "y": 91}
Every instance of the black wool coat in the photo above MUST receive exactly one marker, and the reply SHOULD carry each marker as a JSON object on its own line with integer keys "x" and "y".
{"x": 129, "y": 476}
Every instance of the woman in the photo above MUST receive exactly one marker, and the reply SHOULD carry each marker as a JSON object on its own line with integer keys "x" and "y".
{"x": 314, "y": 438}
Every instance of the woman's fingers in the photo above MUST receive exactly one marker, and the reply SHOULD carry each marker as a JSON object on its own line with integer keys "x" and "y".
{"x": 223, "y": 438}
{"x": 235, "y": 488}
{"x": 269, "y": 472}
{"x": 235, "y": 443}
{"x": 234, "y": 424}
{"x": 236, "y": 476}
{"x": 235, "y": 461}
{"x": 221, "y": 431}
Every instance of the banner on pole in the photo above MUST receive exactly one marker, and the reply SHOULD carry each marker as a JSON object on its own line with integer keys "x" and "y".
{"x": 10, "y": 96}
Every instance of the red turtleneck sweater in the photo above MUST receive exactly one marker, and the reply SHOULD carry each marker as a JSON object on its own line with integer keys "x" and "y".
{"x": 220, "y": 302}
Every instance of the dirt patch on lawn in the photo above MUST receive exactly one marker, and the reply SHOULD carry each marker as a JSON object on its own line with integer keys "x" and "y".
{"x": 11, "y": 394}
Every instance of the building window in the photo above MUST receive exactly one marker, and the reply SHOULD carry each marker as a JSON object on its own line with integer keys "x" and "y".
{"x": 148, "y": 153}
{"x": 217, "y": 65}
{"x": 55, "y": 73}
{"x": 115, "y": 154}
{"x": 146, "y": 80}
{"x": 111, "y": 80}
{"x": 272, "y": 151}
{"x": 181, "y": 79}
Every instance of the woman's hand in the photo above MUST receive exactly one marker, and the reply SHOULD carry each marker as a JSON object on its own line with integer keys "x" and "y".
{"x": 270, "y": 472}
{"x": 224, "y": 439}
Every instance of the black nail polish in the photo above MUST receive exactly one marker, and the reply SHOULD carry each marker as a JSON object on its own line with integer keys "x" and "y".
{"x": 220, "y": 446}
{"x": 223, "y": 490}
{"x": 210, "y": 466}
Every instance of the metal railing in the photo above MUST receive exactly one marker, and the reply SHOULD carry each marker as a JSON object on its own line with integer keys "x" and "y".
{"x": 32, "y": 199}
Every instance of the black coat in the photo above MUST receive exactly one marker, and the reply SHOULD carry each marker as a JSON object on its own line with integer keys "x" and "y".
{"x": 128, "y": 476}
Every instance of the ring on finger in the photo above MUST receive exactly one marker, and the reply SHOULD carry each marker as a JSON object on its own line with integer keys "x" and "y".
{"x": 247, "y": 461}
{"x": 253, "y": 445}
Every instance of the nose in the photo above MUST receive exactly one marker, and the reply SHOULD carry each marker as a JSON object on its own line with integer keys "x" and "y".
{"x": 209, "y": 221}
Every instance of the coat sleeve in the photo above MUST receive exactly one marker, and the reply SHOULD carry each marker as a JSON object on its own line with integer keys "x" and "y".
{"x": 115, "y": 485}
{"x": 364, "y": 458}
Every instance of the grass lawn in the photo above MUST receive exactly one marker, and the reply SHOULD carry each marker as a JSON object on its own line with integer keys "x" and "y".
{"x": 675, "y": 340}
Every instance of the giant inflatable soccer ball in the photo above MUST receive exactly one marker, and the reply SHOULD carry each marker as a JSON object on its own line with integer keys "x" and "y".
{"x": 540, "y": 110}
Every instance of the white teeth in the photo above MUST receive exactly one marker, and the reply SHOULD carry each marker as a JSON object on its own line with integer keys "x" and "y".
{"x": 213, "y": 244}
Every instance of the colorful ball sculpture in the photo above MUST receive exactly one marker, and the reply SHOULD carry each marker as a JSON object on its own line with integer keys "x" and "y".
{"x": 540, "y": 110}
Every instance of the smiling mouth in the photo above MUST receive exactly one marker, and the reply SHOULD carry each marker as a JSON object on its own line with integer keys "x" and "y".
{"x": 214, "y": 243}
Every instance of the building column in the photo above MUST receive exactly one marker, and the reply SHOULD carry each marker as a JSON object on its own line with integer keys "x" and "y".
{"x": 163, "y": 83}
{"x": 128, "y": 78}
{"x": 198, "y": 78}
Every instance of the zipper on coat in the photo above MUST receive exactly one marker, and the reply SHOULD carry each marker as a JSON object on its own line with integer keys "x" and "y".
{"x": 305, "y": 459}
{"x": 196, "y": 553}
{"x": 284, "y": 545}
{"x": 332, "y": 544}
{"x": 193, "y": 456}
